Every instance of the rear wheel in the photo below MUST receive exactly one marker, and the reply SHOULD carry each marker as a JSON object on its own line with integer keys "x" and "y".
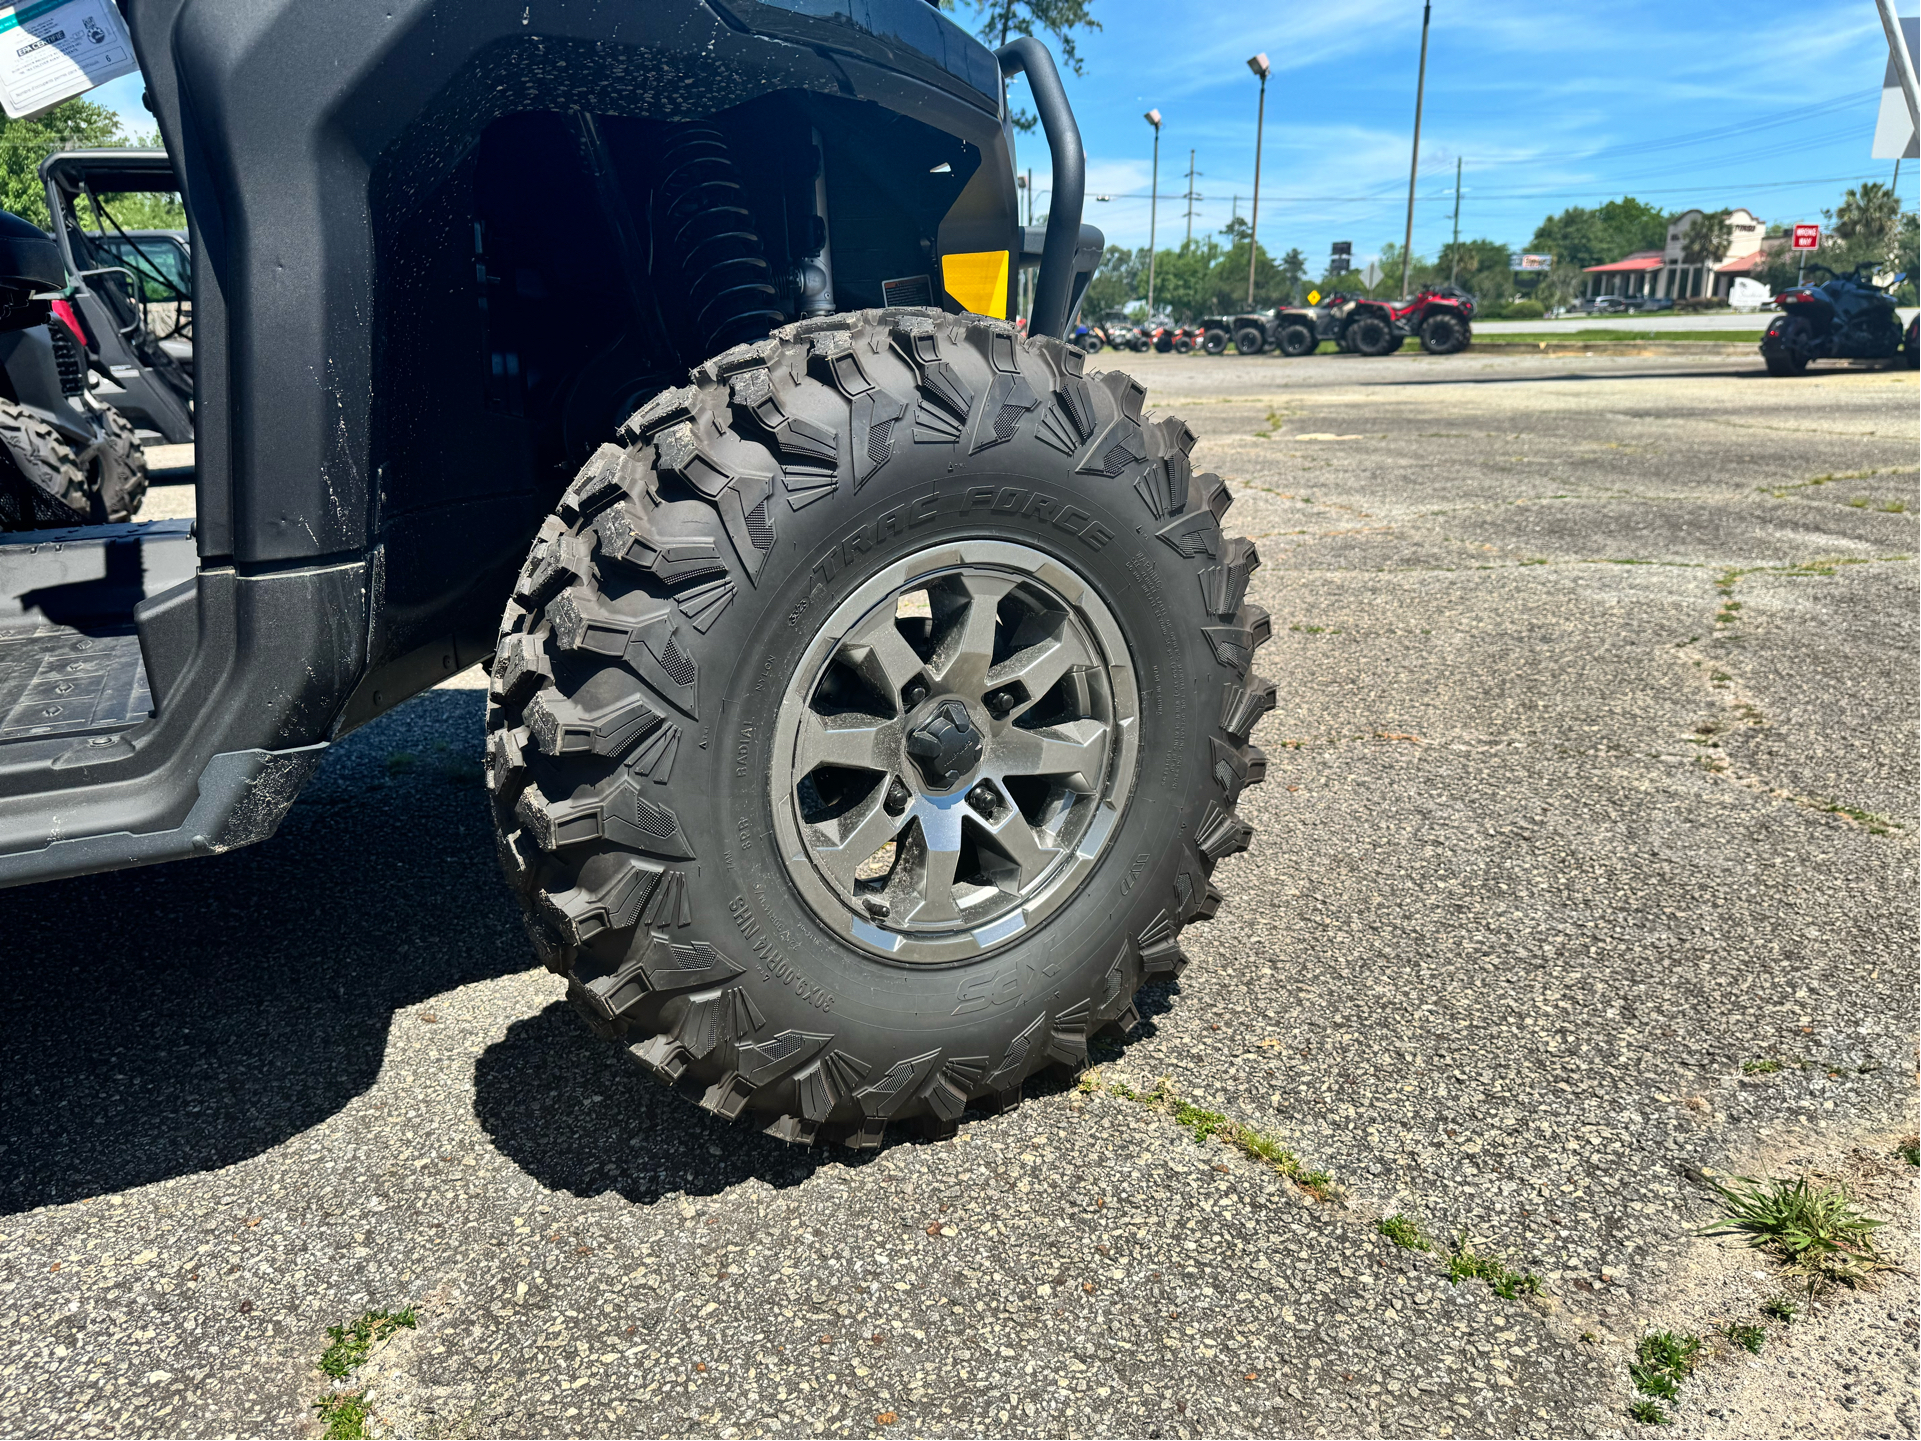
{"x": 1183, "y": 344}
{"x": 864, "y": 730}
{"x": 1785, "y": 347}
{"x": 1443, "y": 333}
{"x": 1297, "y": 338}
{"x": 1370, "y": 334}
{"x": 1249, "y": 340}
{"x": 118, "y": 463}
{"x": 1215, "y": 342}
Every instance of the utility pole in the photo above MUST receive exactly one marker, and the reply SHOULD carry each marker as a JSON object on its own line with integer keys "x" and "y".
{"x": 1190, "y": 200}
{"x": 1454, "y": 275}
{"x": 1258, "y": 64}
{"x": 1414, "y": 167}
{"x": 1153, "y": 117}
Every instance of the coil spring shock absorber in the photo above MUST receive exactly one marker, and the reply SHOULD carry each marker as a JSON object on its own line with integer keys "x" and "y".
{"x": 702, "y": 218}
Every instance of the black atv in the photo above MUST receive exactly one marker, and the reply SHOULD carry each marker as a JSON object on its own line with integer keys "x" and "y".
{"x": 870, "y": 684}
{"x": 65, "y": 459}
{"x": 1847, "y": 318}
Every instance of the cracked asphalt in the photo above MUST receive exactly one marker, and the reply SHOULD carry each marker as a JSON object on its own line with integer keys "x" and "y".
{"x": 1591, "y": 795}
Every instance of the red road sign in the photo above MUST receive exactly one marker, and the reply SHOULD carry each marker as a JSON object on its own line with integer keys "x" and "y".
{"x": 1807, "y": 237}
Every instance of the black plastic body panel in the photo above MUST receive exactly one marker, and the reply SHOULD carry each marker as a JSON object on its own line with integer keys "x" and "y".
{"x": 362, "y": 500}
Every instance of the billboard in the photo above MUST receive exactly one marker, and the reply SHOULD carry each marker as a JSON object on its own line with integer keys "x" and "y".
{"x": 1518, "y": 261}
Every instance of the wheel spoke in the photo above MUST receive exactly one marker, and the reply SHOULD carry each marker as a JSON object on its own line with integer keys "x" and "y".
{"x": 1017, "y": 840}
{"x": 842, "y": 845}
{"x": 1076, "y": 751}
{"x": 859, "y": 742}
{"x": 878, "y": 651}
{"x": 1040, "y": 667}
{"x": 965, "y": 654}
{"x": 940, "y": 830}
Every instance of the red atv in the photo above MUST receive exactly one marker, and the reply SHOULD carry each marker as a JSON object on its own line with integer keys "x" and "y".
{"x": 1440, "y": 315}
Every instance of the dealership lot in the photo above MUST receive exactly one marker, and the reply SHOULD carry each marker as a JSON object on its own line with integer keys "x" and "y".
{"x": 1591, "y": 793}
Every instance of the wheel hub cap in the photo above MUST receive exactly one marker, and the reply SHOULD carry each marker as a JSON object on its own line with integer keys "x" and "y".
{"x": 953, "y": 751}
{"x": 945, "y": 746}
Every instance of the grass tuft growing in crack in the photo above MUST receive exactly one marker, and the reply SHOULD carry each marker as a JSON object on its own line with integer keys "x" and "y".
{"x": 1464, "y": 1263}
{"x": 1203, "y": 1124}
{"x": 344, "y": 1414}
{"x": 1648, "y": 1414}
{"x": 351, "y": 1344}
{"x": 1662, "y": 1361}
{"x": 1404, "y": 1233}
{"x": 1812, "y": 1227}
{"x": 1780, "y": 1308}
{"x": 1746, "y": 1335}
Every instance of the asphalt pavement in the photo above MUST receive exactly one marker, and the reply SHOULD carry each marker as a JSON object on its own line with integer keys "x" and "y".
{"x": 1585, "y": 866}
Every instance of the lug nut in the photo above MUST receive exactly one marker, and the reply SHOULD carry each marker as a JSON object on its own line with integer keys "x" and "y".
{"x": 897, "y": 796}
{"x": 876, "y": 907}
{"x": 1001, "y": 701}
{"x": 916, "y": 694}
{"x": 983, "y": 798}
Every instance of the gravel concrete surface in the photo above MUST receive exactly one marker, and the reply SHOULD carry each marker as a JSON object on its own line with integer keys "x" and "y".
{"x": 1593, "y": 779}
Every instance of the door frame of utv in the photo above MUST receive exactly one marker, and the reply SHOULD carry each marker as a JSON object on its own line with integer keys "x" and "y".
{"x": 326, "y": 589}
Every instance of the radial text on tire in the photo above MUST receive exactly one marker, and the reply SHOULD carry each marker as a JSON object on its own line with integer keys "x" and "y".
{"x": 867, "y": 725}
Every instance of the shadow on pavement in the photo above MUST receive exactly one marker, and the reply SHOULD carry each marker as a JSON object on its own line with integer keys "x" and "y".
{"x": 573, "y": 1113}
{"x": 189, "y": 1016}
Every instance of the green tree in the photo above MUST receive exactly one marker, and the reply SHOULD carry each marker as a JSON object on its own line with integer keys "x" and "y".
{"x": 1706, "y": 239}
{"x": 1581, "y": 237}
{"x": 1479, "y": 267}
{"x": 1002, "y": 20}
{"x": 1119, "y": 280}
{"x": 1293, "y": 277}
{"x": 71, "y": 125}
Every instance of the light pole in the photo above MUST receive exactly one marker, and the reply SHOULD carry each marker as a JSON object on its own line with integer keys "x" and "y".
{"x": 1153, "y": 117}
{"x": 1414, "y": 167}
{"x": 1454, "y": 275}
{"x": 1258, "y": 64}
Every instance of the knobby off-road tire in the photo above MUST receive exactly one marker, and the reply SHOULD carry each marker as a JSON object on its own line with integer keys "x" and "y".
{"x": 1297, "y": 339}
{"x": 49, "y": 463}
{"x": 1443, "y": 334}
{"x": 118, "y": 467}
{"x": 1370, "y": 334}
{"x": 1249, "y": 341}
{"x": 801, "y": 554}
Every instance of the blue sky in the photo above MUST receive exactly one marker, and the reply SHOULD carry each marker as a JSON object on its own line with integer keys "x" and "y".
{"x": 1760, "y": 103}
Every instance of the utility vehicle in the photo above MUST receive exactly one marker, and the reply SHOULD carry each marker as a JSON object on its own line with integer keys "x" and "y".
{"x": 870, "y": 685}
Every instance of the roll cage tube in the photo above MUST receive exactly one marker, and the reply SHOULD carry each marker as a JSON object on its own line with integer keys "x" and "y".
{"x": 1053, "y": 288}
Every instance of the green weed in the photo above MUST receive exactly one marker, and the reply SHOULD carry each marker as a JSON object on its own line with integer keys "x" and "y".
{"x": 1662, "y": 1361}
{"x": 1404, "y": 1233}
{"x": 350, "y": 1344}
{"x": 1203, "y": 1124}
{"x": 1910, "y": 1151}
{"x": 1766, "y": 1066}
{"x": 1780, "y": 1308}
{"x": 1648, "y": 1414}
{"x": 1465, "y": 1264}
{"x": 1813, "y": 1227}
{"x": 400, "y": 762}
{"x": 1745, "y": 1334}
{"x": 345, "y": 1417}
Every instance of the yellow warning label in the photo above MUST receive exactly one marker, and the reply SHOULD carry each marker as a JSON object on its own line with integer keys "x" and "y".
{"x": 978, "y": 281}
{"x": 1313, "y": 297}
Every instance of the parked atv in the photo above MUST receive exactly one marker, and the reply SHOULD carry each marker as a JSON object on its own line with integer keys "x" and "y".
{"x": 1440, "y": 316}
{"x": 1299, "y": 329}
{"x": 118, "y": 276}
{"x": 65, "y": 459}
{"x": 1846, "y": 318}
{"x": 870, "y": 685}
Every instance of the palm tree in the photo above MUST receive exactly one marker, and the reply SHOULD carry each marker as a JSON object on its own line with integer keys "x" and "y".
{"x": 1706, "y": 240}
